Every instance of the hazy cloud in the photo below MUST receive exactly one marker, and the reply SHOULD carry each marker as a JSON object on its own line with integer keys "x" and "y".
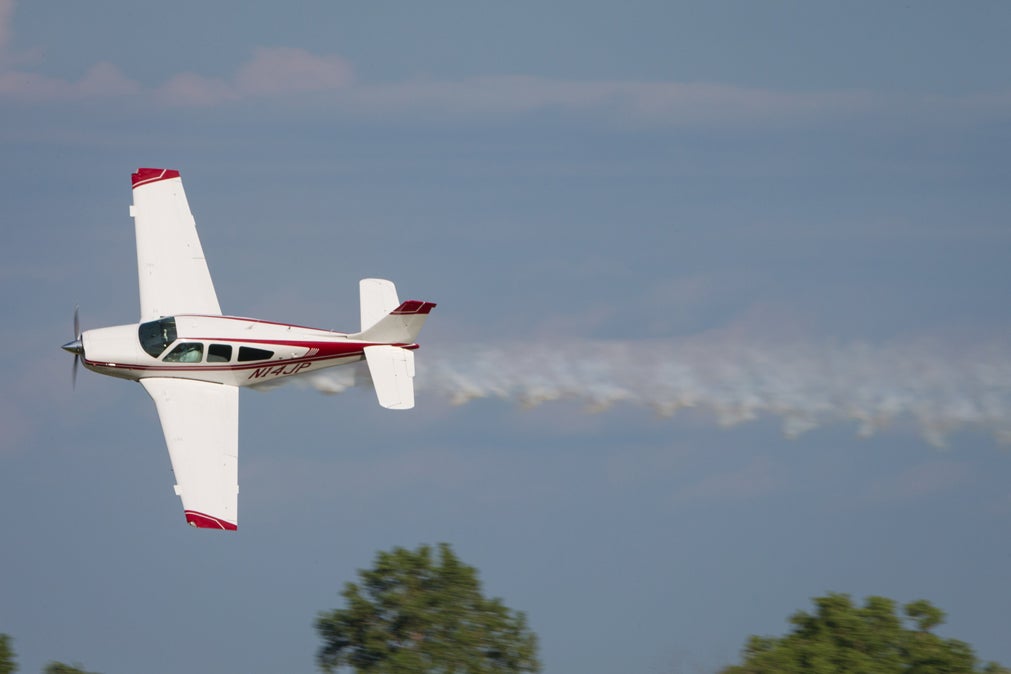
{"x": 195, "y": 90}
{"x": 102, "y": 80}
{"x": 284, "y": 70}
{"x": 272, "y": 72}
{"x": 653, "y": 102}
{"x": 279, "y": 72}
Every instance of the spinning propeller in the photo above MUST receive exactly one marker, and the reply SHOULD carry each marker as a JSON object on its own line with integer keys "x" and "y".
{"x": 75, "y": 347}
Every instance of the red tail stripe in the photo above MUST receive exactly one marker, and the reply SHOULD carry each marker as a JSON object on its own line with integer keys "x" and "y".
{"x": 413, "y": 307}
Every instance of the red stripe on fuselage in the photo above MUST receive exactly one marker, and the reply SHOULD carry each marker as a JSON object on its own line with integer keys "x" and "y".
{"x": 206, "y": 367}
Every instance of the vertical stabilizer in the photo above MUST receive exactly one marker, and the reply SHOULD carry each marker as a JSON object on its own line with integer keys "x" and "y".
{"x": 378, "y": 298}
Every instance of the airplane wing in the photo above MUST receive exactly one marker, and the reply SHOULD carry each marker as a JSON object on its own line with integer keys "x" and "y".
{"x": 170, "y": 261}
{"x": 201, "y": 425}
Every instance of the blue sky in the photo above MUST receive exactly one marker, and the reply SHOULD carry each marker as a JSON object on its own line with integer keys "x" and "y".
{"x": 722, "y": 317}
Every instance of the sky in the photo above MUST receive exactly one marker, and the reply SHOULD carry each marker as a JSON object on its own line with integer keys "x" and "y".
{"x": 722, "y": 317}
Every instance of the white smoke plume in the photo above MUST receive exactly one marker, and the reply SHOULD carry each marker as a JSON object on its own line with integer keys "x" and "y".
{"x": 934, "y": 386}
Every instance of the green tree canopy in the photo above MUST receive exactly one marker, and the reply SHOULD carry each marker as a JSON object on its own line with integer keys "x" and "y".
{"x": 842, "y": 638}
{"x": 411, "y": 614}
{"x": 7, "y": 663}
{"x": 62, "y": 668}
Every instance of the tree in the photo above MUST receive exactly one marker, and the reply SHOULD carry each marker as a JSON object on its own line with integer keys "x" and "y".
{"x": 62, "y": 668}
{"x": 411, "y": 615}
{"x": 841, "y": 638}
{"x": 7, "y": 663}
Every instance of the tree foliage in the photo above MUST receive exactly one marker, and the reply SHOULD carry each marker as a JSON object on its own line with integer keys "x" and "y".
{"x": 842, "y": 638}
{"x": 63, "y": 668}
{"x": 413, "y": 615}
{"x": 7, "y": 663}
{"x": 9, "y": 666}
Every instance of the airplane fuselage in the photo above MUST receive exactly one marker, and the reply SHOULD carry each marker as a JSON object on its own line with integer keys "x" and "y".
{"x": 220, "y": 349}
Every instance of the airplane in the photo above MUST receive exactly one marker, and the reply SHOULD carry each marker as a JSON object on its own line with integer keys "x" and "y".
{"x": 192, "y": 360}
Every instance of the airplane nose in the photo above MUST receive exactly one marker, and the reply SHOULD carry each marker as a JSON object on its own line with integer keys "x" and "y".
{"x": 75, "y": 347}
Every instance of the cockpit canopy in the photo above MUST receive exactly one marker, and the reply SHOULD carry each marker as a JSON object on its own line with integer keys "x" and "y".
{"x": 155, "y": 336}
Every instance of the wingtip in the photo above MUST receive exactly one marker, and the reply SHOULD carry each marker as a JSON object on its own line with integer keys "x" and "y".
{"x": 145, "y": 176}
{"x": 202, "y": 521}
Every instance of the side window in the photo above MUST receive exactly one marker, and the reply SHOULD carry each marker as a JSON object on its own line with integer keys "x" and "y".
{"x": 219, "y": 353}
{"x": 247, "y": 353}
{"x": 185, "y": 352}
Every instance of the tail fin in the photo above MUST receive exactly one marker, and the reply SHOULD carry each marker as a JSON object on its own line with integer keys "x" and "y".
{"x": 386, "y": 322}
{"x": 378, "y": 298}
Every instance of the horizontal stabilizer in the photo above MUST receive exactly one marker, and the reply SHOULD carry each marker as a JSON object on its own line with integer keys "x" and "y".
{"x": 392, "y": 370}
{"x": 400, "y": 326}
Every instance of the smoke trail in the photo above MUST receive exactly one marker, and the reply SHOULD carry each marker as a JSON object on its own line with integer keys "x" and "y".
{"x": 935, "y": 386}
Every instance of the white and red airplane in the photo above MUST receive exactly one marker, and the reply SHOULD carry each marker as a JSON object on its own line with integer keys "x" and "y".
{"x": 192, "y": 360}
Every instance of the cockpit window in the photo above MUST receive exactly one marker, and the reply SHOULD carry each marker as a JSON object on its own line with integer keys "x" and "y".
{"x": 186, "y": 352}
{"x": 157, "y": 335}
{"x": 247, "y": 353}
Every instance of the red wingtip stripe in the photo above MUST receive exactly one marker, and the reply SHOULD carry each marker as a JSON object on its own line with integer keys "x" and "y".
{"x": 203, "y": 521}
{"x": 145, "y": 176}
{"x": 414, "y": 307}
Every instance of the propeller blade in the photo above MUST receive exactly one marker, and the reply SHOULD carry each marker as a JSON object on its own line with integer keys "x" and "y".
{"x": 75, "y": 347}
